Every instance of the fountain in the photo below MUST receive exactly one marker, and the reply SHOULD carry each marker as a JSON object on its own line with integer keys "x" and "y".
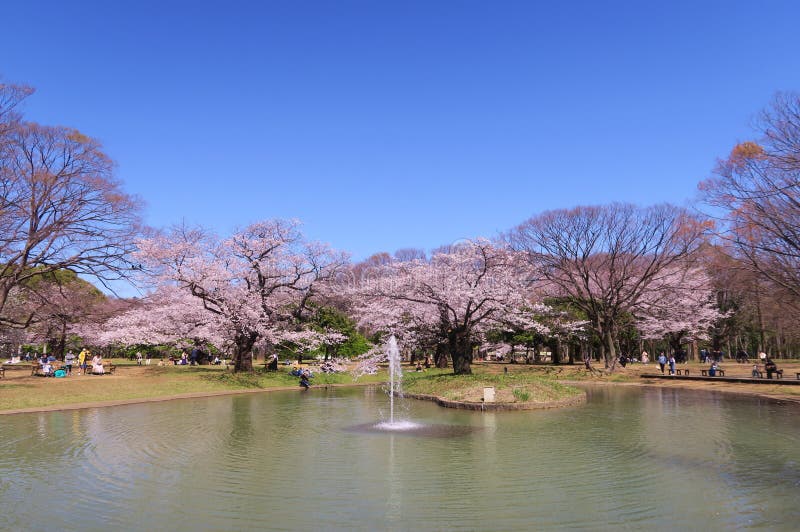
{"x": 395, "y": 372}
{"x": 395, "y": 390}
{"x": 391, "y": 353}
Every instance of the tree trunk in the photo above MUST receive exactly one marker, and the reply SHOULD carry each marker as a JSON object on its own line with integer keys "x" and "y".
{"x": 611, "y": 351}
{"x": 555, "y": 357}
{"x": 440, "y": 356}
{"x": 460, "y": 349}
{"x": 243, "y": 351}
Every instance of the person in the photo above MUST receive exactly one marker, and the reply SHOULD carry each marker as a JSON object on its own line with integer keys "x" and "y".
{"x": 623, "y": 360}
{"x": 770, "y": 367}
{"x": 97, "y": 365}
{"x": 138, "y": 358}
{"x": 273, "y": 363}
{"x": 147, "y": 359}
{"x": 184, "y": 360}
{"x": 645, "y": 357}
{"x": 672, "y": 364}
{"x": 703, "y": 355}
{"x": 419, "y": 367}
{"x": 427, "y": 361}
{"x": 82, "y": 356}
{"x": 47, "y": 368}
{"x": 755, "y": 373}
{"x": 712, "y": 371}
{"x": 194, "y": 356}
{"x": 69, "y": 359}
{"x": 216, "y": 361}
{"x": 304, "y": 376}
{"x": 662, "y": 361}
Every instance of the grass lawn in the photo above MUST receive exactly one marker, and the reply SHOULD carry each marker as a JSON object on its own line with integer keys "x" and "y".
{"x": 19, "y": 390}
{"x": 513, "y": 387}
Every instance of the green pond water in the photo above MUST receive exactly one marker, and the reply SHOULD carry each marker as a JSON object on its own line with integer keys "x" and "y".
{"x": 636, "y": 459}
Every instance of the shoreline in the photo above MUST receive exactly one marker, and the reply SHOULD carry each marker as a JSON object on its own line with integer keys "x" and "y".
{"x": 464, "y": 405}
{"x": 498, "y": 406}
{"x": 761, "y": 391}
{"x": 683, "y": 385}
{"x": 164, "y": 398}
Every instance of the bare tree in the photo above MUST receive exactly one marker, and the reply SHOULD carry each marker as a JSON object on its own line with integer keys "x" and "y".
{"x": 409, "y": 254}
{"x": 60, "y": 208}
{"x": 10, "y": 97}
{"x": 604, "y": 259}
{"x": 757, "y": 188}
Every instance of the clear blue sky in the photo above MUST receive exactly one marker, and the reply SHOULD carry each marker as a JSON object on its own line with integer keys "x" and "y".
{"x": 384, "y": 124}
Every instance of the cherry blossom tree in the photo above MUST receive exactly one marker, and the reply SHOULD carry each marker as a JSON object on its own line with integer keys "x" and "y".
{"x": 680, "y": 306}
{"x": 458, "y": 294}
{"x": 257, "y": 282}
{"x": 168, "y": 316}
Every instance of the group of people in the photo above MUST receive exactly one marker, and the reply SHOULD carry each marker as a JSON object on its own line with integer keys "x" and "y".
{"x": 143, "y": 359}
{"x": 769, "y": 367}
{"x": 663, "y": 360}
{"x": 84, "y": 360}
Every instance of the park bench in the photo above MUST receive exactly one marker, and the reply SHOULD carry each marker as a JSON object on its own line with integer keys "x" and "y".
{"x": 720, "y": 372}
{"x": 2, "y": 372}
{"x": 778, "y": 373}
{"x": 685, "y": 372}
{"x": 107, "y": 367}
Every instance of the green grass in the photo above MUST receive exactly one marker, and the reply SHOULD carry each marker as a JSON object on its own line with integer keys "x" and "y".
{"x": 19, "y": 390}
{"x": 511, "y": 387}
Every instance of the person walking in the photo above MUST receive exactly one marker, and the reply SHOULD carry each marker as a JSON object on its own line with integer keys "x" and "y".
{"x": 662, "y": 361}
{"x": 672, "y": 364}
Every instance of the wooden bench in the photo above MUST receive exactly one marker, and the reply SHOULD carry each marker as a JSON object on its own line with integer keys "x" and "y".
{"x": 720, "y": 372}
{"x": 2, "y": 372}
{"x": 685, "y": 372}
{"x": 778, "y": 374}
{"x": 108, "y": 369}
{"x": 798, "y": 375}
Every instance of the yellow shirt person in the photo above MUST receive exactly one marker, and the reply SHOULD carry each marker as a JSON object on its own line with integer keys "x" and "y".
{"x": 82, "y": 359}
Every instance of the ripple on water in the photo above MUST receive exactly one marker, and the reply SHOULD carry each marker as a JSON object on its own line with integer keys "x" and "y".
{"x": 410, "y": 428}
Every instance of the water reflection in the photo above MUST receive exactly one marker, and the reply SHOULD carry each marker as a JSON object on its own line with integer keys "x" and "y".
{"x": 630, "y": 458}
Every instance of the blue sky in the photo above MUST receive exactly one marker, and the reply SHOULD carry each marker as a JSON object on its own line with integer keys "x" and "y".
{"x": 385, "y": 125}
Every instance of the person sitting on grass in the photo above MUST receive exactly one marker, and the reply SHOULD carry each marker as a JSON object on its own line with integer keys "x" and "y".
{"x": 47, "y": 369}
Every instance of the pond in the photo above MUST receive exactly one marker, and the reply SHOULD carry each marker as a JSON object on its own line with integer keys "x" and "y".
{"x": 630, "y": 458}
